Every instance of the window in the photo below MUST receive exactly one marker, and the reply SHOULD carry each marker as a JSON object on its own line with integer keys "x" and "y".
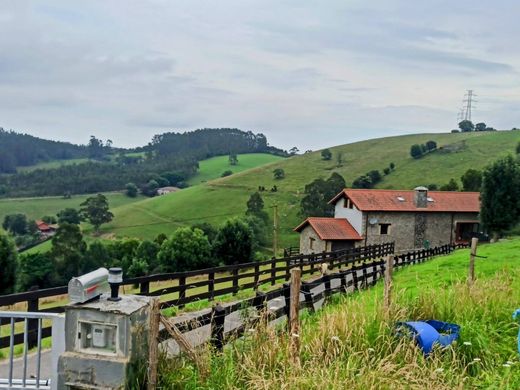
{"x": 347, "y": 203}
{"x": 384, "y": 228}
{"x": 311, "y": 243}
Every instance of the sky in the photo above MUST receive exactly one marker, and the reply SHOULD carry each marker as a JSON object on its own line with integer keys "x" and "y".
{"x": 309, "y": 74}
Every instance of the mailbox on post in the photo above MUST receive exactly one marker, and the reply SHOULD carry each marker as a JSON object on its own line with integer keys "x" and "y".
{"x": 106, "y": 340}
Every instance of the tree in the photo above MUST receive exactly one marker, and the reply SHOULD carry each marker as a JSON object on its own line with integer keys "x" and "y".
{"x": 150, "y": 188}
{"x": 500, "y": 204}
{"x": 226, "y": 173}
{"x": 255, "y": 206}
{"x": 97, "y": 255}
{"x": 317, "y": 195}
{"x": 8, "y": 265}
{"x": 95, "y": 210}
{"x": 68, "y": 249}
{"x": 131, "y": 190}
{"x": 233, "y": 159}
{"x": 480, "y": 126}
{"x": 386, "y": 171}
{"x": 518, "y": 148}
{"x": 293, "y": 151}
{"x": 392, "y": 166}
{"x": 431, "y": 145}
{"x": 35, "y": 269}
{"x": 433, "y": 187}
{"x": 95, "y": 148}
{"x": 186, "y": 249}
{"x": 375, "y": 176}
{"x": 339, "y": 159}
{"x": 466, "y": 126}
{"x": 326, "y": 154}
{"x": 69, "y": 215}
{"x": 147, "y": 251}
{"x": 234, "y": 243}
{"x": 471, "y": 180}
{"x": 416, "y": 151}
{"x": 450, "y": 186}
{"x": 258, "y": 227}
{"x": 16, "y": 224}
{"x": 279, "y": 173}
{"x": 363, "y": 181}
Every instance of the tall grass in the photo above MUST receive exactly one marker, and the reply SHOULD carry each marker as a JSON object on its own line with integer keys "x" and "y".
{"x": 352, "y": 343}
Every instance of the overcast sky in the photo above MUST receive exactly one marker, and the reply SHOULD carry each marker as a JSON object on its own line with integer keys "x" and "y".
{"x": 305, "y": 73}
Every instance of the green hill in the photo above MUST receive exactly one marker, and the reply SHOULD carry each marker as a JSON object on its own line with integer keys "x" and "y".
{"x": 219, "y": 199}
{"x": 212, "y": 168}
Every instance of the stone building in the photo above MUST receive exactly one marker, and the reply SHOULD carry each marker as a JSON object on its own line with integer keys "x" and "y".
{"x": 412, "y": 219}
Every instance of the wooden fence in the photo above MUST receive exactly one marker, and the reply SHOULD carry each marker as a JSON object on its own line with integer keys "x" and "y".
{"x": 206, "y": 284}
{"x": 356, "y": 277}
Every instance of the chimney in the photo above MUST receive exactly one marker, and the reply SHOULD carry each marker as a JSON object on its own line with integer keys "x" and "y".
{"x": 421, "y": 197}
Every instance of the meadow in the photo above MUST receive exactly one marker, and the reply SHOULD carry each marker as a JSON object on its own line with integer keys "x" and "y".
{"x": 218, "y": 199}
{"x": 352, "y": 342}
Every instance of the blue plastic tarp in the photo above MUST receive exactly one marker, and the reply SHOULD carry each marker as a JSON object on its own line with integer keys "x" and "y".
{"x": 431, "y": 332}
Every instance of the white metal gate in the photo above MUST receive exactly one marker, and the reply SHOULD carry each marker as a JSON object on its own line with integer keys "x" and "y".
{"x": 16, "y": 365}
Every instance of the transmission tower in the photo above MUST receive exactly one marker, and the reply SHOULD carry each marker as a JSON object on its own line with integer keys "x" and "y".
{"x": 469, "y": 99}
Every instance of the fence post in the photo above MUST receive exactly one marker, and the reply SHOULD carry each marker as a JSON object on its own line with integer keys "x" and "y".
{"x": 473, "y": 253}
{"x": 235, "y": 280}
{"x": 287, "y": 269}
{"x": 182, "y": 290}
{"x": 389, "y": 268}
{"x": 259, "y": 302}
{"x": 326, "y": 280}
{"x": 218, "y": 317}
{"x": 344, "y": 281}
{"x": 257, "y": 275}
{"x": 144, "y": 288}
{"x": 354, "y": 278}
{"x": 153, "y": 342}
{"x": 32, "y": 306}
{"x": 308, "y": 297}
{"x": 364, "y": 283}
{"x": 211, "y": 286}
{"x": 296, "y": 274}
{"x": 287, "y": 296}
{"x": 273, "y": 271}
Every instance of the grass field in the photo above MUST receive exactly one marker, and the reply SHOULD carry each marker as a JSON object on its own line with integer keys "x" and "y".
{"x": 36, "y": 208}
{"x": 212, "y": 168}
{"x": 52, "y": 164}
{"x": 216, "y": 200}
{"x": 352, "y": 342}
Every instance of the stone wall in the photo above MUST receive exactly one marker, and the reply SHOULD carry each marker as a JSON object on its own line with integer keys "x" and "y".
{"x": 319, "y": 245}
{"x": 410, "y": 230}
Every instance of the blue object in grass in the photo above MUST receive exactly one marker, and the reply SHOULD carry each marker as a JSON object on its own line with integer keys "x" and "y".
{"x": 516, "y": 315}
{"x": 431, "y": 332}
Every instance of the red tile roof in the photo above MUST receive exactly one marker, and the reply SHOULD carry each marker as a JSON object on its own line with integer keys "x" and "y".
{"x": 42, "y": 226}
{"x": 331, "y": 228}
{"x": 403, "y": 200}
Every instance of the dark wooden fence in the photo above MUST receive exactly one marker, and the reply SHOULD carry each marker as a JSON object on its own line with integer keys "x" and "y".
{"x": 206, "y": 284}
{"x": 358, "y": 276}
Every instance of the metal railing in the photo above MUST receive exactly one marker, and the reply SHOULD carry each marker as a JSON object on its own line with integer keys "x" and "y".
{"x": 11, "y": 318}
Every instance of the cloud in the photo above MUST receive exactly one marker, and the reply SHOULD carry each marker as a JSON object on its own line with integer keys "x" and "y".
{"x": 303, "y": 73}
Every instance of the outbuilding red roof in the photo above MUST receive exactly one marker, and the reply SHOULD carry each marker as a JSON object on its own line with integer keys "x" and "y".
{"x": 331, "y": 228}
{"x": 403, "y": 200}
{"x": 42, "y": 226}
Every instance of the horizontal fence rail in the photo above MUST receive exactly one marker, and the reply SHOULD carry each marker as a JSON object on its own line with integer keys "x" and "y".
{"x": 354, "y": 278}
{"x": 206, "y": 284}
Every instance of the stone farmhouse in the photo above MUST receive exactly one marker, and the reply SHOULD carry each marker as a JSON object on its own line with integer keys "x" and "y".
{"x": 412, "y": 219}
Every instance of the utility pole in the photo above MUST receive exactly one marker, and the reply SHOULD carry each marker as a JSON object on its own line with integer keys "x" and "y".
{"x": 468, "y": 102}
{"x": 275, "y": 229}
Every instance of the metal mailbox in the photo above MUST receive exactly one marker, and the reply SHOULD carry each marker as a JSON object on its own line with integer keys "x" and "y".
{"x": 89, "y": 286}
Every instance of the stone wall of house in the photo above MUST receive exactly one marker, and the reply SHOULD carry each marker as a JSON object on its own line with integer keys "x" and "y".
{"x": 318, "y": 246}
{"x": 410, "y": 230}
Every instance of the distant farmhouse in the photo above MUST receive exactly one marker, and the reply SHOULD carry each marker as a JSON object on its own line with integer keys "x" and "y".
{"x": 45, "y": 230}
{"x": 411, "y": 219}
{"x": 167, "y": 190}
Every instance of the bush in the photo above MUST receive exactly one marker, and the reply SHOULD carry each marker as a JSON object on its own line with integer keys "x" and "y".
{"x": 416, "y": 151}
{"x": 187, "y": 249}
{"x": 326, "y": 154}
{"x": 234, "y": 243}
{"x": 279, "y": 173}
{"x": 226, "y": 173}
{"x": 131, "y": 190}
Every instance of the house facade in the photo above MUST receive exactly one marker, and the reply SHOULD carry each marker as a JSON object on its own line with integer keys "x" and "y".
{"x": 412, "y": 219}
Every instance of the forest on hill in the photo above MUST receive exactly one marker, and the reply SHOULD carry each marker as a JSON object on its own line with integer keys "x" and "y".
{"x": 17, "y": 149}
{"x": 169, "y": 159}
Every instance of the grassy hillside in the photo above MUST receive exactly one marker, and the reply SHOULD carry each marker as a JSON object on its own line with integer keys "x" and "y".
{"x": 352, "y": 343}
{"x": 214, "y": 201}
{"x": 212, "y": 168}
{"x": 36, "y": 208}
